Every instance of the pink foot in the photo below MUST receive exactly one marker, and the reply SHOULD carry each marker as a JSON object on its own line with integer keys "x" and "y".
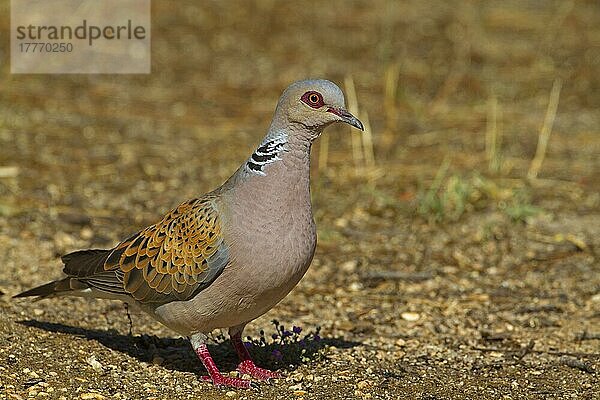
{"x": 227, "y": 381}
{"x": 248, "y": 367}
{"x": 215, "y": 377}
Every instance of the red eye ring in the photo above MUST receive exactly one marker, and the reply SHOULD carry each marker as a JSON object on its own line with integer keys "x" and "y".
{"x": 313, "y": 99}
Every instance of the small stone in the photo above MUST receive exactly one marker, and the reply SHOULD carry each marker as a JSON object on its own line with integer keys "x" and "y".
{"x": 63, "y": 240}
{"x": 91, "y": 396}
{"x": 349, "y": 266}
{"x": 38, "y": 311}
{"x": 95, "y": 364}
{"x": 230, "y": 393}
{"x": 299, "y": 392}
{"x": 86, "y": 233}
{"x": 410, "y": 316}
{"x": 362, "y": 384}
{"x": 297, "y": 377}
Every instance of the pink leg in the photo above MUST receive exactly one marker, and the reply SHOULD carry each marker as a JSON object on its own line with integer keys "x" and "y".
{"x": 246, "y": 365}
{"x": 214, "y": 375}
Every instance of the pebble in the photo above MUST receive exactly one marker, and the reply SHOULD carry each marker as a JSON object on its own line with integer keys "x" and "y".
{"x": 86, "y": 233}
{"x": 231, "y": 393}
{"x": 362, "y": 384}
{"x": 91, "y": 396}
{"x": 356, "y": 286}
{"x": 410, "y": 316}
{"x": 297, "y": 377}
{"x": 95, "y": 364}
{"x": 349, "y": 266}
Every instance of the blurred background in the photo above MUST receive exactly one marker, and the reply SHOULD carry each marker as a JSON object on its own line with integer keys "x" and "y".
{"x": 472, "y": 195}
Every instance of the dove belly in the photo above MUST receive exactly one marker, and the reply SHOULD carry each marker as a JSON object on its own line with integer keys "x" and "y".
{"x": 258, "y": 277}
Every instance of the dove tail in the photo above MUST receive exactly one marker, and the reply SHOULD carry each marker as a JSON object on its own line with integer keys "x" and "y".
{"x": 51, "y": 289}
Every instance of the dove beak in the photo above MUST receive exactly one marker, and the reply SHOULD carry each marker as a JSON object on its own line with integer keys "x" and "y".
{"x": 346, "y": 117}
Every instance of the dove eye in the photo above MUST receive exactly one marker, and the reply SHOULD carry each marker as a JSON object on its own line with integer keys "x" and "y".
{"x": 313, "y": 99}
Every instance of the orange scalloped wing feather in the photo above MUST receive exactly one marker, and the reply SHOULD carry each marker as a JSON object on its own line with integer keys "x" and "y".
{"x": 175, "y": 258}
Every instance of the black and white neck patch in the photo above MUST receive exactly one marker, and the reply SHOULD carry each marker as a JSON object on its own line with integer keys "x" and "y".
{"x": 268, "y": 152}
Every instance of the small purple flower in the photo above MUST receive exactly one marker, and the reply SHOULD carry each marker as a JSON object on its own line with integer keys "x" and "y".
{"x": 317, "y": 338}
{"x": 248, "y": 345}
{"x": 296, "y": 329}
{"x": 274, "y": 336}
{"x": 286, "y": 334}
{"x": 277, "y": 354}
{"x": 302, "y": 343}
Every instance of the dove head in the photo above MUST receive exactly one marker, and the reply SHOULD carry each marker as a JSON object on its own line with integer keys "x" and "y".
{"x": 313, "y": 105}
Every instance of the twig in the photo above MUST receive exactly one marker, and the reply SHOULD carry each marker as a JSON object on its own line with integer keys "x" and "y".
{"x": 367, "y": 142}
{"x": 392, "y": 76}
{"x": 575, "y": 363}
{"x": 9, "y": 171}
{"x": 526, "y": 350}
{"x": 398, "y": 275}
{"x": 537, "y": 309}
{"x": 493, "y": 135}
{"x": 553, "y": 353}
{"x": 323, "y": 152}
{"x": 495, "y": 336}
{"x": 585, "y": 335}
{"x": 129, "y": 319}
{"x": 357, "y": 153}
{"x": 540, "y": 153}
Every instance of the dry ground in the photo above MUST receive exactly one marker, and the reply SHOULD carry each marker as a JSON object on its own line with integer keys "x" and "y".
{"x": 460, "y": 281}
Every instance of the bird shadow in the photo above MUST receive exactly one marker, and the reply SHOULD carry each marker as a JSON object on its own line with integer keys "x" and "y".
{"x": 176, "y": 353}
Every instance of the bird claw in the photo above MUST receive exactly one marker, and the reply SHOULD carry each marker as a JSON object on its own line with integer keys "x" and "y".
{"x": 227, "y": 381}
{"x": 248, "y": 367}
